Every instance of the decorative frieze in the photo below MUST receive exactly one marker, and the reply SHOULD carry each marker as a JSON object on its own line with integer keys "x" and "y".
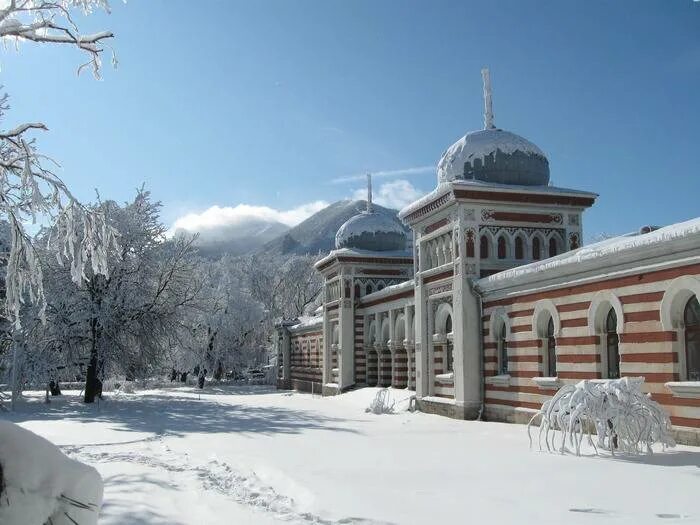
{"x": 508, "y": 216}
{"x": 447, "y": 287}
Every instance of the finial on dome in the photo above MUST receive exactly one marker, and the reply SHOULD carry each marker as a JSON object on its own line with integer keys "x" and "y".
{"x": 488, "y": 105}
{"x": 369, "y": 193}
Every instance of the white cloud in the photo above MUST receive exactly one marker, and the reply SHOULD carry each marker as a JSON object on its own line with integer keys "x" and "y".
{"x": 418, "y": 170}
{"x": 222, "y": 216}
{"x": 395, "y": 194}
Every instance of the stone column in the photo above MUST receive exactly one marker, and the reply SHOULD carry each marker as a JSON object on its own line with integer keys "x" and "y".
{"x": 286, "y": 357}
{"x": 346, "y": 339}
{"x": 326, "y": 364}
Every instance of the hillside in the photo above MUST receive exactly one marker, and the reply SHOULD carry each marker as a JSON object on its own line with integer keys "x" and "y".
{"x": 317, "y": 233}
{"x": 238, "y": 239}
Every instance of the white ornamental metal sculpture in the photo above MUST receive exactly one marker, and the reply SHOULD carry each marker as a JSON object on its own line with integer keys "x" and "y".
{"x": 624, "y": 418}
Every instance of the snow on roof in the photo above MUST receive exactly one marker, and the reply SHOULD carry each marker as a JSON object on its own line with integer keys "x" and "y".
{"x": 390, "y": 290}
{"x": 307, "y": 321}
{"x": 444, "y": 187}
{"x": 357, "y": 226}
{"x": 629, "y": 242}
{"x": 354, "y": 252}
{"x": 479, "y": 144}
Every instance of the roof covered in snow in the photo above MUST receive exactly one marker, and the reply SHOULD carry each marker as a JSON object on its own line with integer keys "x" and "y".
{"x": 610, "y": 251}
{"x": 494, "y": 155}
{"x": 371, "y": 231}
{"x": 354, "y": 252}
{"x": 390, "y": 290}
{"x": 447, "y": 186}
{"x": 307, "y": 322}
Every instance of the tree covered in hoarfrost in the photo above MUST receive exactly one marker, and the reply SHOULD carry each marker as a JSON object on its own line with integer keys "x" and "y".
{"x": 225, "y": 331}
{"x": 28, "y": 186}
{"x": 121, "y": 321}
{"x": 287, "y": 286}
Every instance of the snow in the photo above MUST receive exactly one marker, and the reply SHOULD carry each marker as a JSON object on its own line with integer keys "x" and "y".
{"x": 367, "y": 223}
{"x": 608, "y": 248}
{"x": 356, "y": 252}
{"x": 478, "y": 145}
{"x": 306, "y": 321}
{"x": 255, "y": 455}
{"x": 390, "y": 290}
{"x": 444, "y": 187}
{"x": 41, "y": 483}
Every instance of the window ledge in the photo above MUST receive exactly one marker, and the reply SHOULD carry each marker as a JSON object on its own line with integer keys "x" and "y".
{"x": 448, "y": 379}
{"x": 547, "y": 382}
{"x": 685, "y": 388}
{"x": 439, "y": 339}
{"x": 500, "y": 380}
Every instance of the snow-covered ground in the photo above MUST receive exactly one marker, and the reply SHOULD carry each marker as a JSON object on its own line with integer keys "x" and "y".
{"x": 255, "y": 455}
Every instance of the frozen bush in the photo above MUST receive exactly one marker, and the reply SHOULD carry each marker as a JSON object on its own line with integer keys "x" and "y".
{"x": 382, "y": 403}
{"x": 624, "y": 418}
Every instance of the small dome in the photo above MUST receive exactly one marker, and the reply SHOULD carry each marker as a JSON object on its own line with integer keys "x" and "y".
{"x": 494, "y": 155}
{"x": 372, "y": 231}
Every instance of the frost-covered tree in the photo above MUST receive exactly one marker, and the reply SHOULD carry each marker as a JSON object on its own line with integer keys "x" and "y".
{"x": 225, "y": 330}
{"x": 286, "y": 286}
{"x": 120, "y": 321}
{"x": 29, "y": 188}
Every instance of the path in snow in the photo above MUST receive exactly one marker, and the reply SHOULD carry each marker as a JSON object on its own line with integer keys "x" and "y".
{"x": 244, "y": 489}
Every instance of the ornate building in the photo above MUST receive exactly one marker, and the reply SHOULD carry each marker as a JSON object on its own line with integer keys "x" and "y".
{"x": 493, "y": 303}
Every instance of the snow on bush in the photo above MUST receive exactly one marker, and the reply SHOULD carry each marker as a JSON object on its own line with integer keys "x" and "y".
{"x": 624, "y": 418}
{"x": 39, "y": 484}
{"x": 382, "y": 403}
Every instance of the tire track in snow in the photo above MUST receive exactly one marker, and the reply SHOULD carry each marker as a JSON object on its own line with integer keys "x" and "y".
{"x": 244, "y": 489}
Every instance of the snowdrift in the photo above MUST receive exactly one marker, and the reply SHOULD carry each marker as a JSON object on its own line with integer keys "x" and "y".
{"x": 39, "y": 484}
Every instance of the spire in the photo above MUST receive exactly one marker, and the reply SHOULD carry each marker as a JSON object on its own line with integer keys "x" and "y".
{"x": 369, "y": 193}
{"x": 488, "y": 107}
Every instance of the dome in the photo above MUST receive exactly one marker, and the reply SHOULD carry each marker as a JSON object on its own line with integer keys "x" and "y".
{"x": 494, "y": 155}
{"x": 372, "y": 231}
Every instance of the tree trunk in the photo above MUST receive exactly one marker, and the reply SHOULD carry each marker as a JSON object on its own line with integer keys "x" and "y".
{"x": 93, "y": 386}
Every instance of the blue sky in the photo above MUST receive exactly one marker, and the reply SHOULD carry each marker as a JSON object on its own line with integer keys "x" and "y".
{"x": 265, "y": 103}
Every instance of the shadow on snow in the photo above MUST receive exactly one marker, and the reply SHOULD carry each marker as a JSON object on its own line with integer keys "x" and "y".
{"x": 163, "y": 414}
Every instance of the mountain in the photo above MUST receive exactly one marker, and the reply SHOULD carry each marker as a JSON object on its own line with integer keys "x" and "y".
{"x": 317, "y": 233}
{"x": 245, "y": 236}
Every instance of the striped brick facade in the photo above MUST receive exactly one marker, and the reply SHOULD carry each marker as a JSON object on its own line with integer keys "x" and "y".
{"x": 306, "y": 361}
{"x": 647, "y": 347}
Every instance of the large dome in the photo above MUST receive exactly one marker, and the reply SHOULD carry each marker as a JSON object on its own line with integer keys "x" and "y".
{"x": 494, "y": 155}
{"x": 372, "y": 231}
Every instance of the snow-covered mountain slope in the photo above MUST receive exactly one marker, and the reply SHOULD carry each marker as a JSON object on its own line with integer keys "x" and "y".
{"x": 317, "y": 233}
{"x": 245, "y": 236}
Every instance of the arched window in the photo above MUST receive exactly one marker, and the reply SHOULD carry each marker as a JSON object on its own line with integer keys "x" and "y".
{"x": 357, "y": 291}
{"x": 502, "y": 350}
{"x": 484, "y": 247}
{"x": 519, "y": 248}
{"x": 449, "y": 347}
{"x": 551, "y": 350}
{"x": 536, "y": 249}
{"x": 691, "y": 319}
{"x": 612, "y": 342}
{"x": 380, "y": 287}
{"x": 552, "y": 247}
{"x": 501, "y": 247}
{"x": 470, "y": 243}
{"x": 368, "y": 289}
{"x": 573, "y": 241}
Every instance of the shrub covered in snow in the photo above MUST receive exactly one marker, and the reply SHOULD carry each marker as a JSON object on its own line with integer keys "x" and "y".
{"x": 623, "y": 417}
{"x": 382, "y": 403}
{"x": 39, "y": 484}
